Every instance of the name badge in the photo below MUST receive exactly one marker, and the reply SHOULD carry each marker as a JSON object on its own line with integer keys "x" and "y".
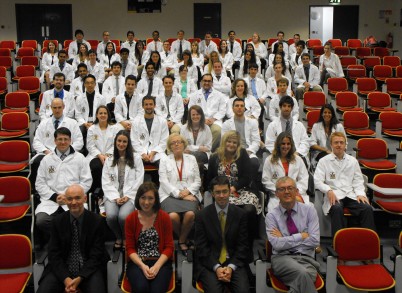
{"x": 96, "y": 137}
{"x": 332, "y": 175}
{"x": 142, "y": 136}
{"x": 51, "y": 169}
{"x": 275, "y": 175}
{"x": 112, "y": 177}
{"x": 83, "y": 110}
{"x": 199, "y": 101}
{"x": 47, "y": 134}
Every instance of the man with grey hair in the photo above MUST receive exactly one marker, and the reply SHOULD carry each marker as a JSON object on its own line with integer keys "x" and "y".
{"x": 293, "y": 231}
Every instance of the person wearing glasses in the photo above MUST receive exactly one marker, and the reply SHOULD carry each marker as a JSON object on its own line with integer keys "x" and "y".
{"x": 179, "y": 190}
{"x": 293, "y": 232}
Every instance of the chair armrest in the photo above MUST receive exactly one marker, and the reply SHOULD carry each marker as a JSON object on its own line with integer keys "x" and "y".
{"x": 190, "y": 255}
{"x": 116, "y": 256}
{"x": 262, "y": 255}
{"x": 41, "y": 260}
{"x": 398, "y": 250}
{"x": 332, "y": 252}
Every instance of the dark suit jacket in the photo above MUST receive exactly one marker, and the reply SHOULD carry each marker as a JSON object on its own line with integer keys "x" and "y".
{"x": 91, "y": 241}
{"x": 208, "y": 238}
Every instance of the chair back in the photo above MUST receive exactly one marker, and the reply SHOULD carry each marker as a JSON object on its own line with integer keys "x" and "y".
{"x": 15, "y": 121}
{"x": 355, "y": 120}
{"x": 346, "y": 100}
{"x": 390, "y": 120}
{"x": 14, "y": 151}
{"x": 16, "y": 251}
{"x": 371, "y": 148}
{"x": 15, "y": 189}
{"x": 387, "y": 180}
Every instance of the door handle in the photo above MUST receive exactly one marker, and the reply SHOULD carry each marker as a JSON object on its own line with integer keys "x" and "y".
{"x": 43, "y": 31}
{"x": 47, "y": 31}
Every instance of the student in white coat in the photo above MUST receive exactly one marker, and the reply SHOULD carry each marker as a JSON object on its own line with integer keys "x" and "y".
{"x": 260, "y": 50}
{"x": 95, "y": 68}
{"x": 169, "y": 59}
{"x": 274, "y": 108}
{"x": 48, "y": 59}
{"x": 73, "y": 48}
{"x": 226, "y": 57}
{"x": 236, "y": 50}
{"x": 100, "y": 146}
{"x": 180, "y": 45}
{"x": 77, "y": 87}
{"x": 191, "y": 67}
{"x": 184, "y": 86}
{"x": 100, "y": 49}
{"x": 213, "y": 103}
{"x": 150, "y": 85}
{"x": 169, "y": 105}
{"x": 150, "y": 134}
{"x": 155, "y": 44}
{"x": 281, "y": 39}
{"x": 45, "y": 110}
{"x": 245, "y": 62}
{"x": 156, "y": 60}
{"x": 307, "y": 77}
{"x": 295, "y": 58}
{"x": 284, "y": 162}
{"x": 122, "y": 174}
{"x": 128, "y": 105}
{"x": 82, "y": 57}
{"x": 221, "y": 82}
{"x": 140, "y": 57}
{"x": 293, "y": 47}
{"x": 272, "y": 86}
{"x": 285, "y": 122}
{"x": 58, "y": 170}
{"x": 130, "y": 43}
{"x": 108, "y": 58}
{"x": 179, "y": 190}
{"x": 127, "y": 66}
{"x": 330, "y": 65}
{"x": 113, "y": 86}
{"x": 207, "y": 46}
{"x": 240, "y": 90}
{"x": 63, "y": 67}
{"x": 338, "y": 176}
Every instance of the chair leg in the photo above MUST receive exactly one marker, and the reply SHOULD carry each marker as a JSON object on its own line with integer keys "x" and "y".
{"x": 113, "y": 273}
{"x": 187, "y": 278}
{"x": 398, "y": 274}
{"x": 261, "y": 277}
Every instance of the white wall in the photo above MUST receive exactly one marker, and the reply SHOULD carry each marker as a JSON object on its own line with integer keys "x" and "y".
{"x": 245, "y": 17}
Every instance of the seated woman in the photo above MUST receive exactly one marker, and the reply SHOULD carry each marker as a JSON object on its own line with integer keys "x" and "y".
{"x": 240, "y": 90}
{"x": 191, "y": 67}
{"x": 197, "y": 57}
{"x": 226, "y": 58}
{"x": 82, "y": 57}
{"x": 198, "y": 136}
{"x": 233, "y": 161}
{"x": 180, "y": 188}
{"x": 330, "y": 65}
{"x": 284, "y": 162}
{"x": 100, "y": 139}
{"x": 184, "y": 86}
{"x": 209, "y": 67}
{"x": 271, "y": 71}
{"x": 149, "y": 243}
{"x": 48, "y": 59}
{"x": 248, "y": 58}
{"x": 321, "y": 132}
{"x": 122, "y": 175}
{"x": 140, "y": 57}
{"x": 272, "y": 87}
{"x": 108, "y": 58}
{"x": 160, "y": 70}
{"x": 260, "y": 50}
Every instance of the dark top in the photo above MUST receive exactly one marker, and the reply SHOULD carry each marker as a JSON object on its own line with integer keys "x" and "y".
{"x": 90, "y": 98}
{"x": 149, "y": 121}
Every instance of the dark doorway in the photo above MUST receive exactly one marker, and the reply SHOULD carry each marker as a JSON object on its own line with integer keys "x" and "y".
{"x": 44, "y": 22}
{"x": 349, "y": 29}
{"x": 207, "y": 18}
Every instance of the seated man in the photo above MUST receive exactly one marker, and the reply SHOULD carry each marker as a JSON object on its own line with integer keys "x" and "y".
{"x": 169, "y": 105}
{"x": 274, "y": 109}
{"x": 307, "y": 77}
{"x": 45, "y": 110}
{"x": 339, "y": 177}
{"x": 77, "y": 255}
{"x": 113, "y": 86}
{"x": 155, "y": 44}
{"x": 207, "y": 46}
{"x": 130, "y": 43}
{"x": 295, "y": 58}
{"x": 292, "y": 47}
{"x": 100, "y": 49}
{"x": 221, "y": 82}
{"x": 151, "y": 85}
{"x": 77, "y": 87}
{"x": 58, "y": 170}
{"x": 180, "y": 45}
{"x": 235, "y": 49}
{"x": 63, "y": 67}
{"x": 285, "y": 122}
{"x": 73, "y": 48}
{"x": 95, "y": 68}
{"x": 127, "y": 66}
{"x": 294, "y": 233}
{"x": 169, "y": 59}
{"x": 281, "y": 39}
{"x": 221, "y": 239}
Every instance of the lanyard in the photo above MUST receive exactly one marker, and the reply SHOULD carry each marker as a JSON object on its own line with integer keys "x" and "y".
{"x": 180, "y": 171}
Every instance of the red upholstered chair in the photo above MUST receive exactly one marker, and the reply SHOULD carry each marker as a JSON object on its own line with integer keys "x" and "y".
{"x": 347, "y": 101}
{"x": 381, "y": 52}
{"x": 270, "y": 42}
{"x": 398, "y": 71}
{"x": 191, "y": 40}
{"x": 366, "y": 85}
{"x": 23, "y": 71}
{"x": 354, "y": 43}
{"x": 398, "y": 265}
{"x": 7, "y": 62}
{"x": 24, "y": 51}
{"x": 116, "y": 42}
{"x": 14, "y": 156}
{"x": 317, "y": 52}
{"x": 171, "y": 40}
{"x": 347, "y": 60}
{"x": 357, "y": 124}
{"x": 16, "y": 102}
{"x": 8, "y": 44}
{"x": 30, "y": 60}
{"x": 313, "y": 100}
{"x": 388, "y": 203}
{"x": 13, "y": 125}
{"x": 336, "y": 85}
{"x": 393, "y": 61}
{"x": 379, "y": 102}
{"x": 356, "y": 245}
{"x": 394, "y": 86}
{"x": 370, "y": 62}
{"x": 15, "y": 262}
{"x": 17, "y": 197}
{"x": 335, "y": 42}
{"x": 311, "y": 118}
{"x": 5, "y": 52}
{"x": 93, "y": 43}
{"x": 372, "y": 153}
{"x": 363, "y": 52}
{"x": 356, "y": 71}
{"x": 3, "y": 71}
{"x": 46, "y": 43}
{"x": 391, "y": 124}
{"x": 382, "y": 72}
{"x": 29, "y": 84}
{"x": 342, "y": 51}
{"x": 3, "y": 85}
{"x": 311, "y": 43}
{"x": 30, "y": 44}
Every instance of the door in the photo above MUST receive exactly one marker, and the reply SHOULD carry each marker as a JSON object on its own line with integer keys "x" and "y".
{"x": 207, "y": 18}
{"x": 44, "y": 22}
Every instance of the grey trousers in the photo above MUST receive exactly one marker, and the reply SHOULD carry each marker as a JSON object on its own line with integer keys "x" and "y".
{"x": 116, "y": 216}
{"x": 296, "y": 272}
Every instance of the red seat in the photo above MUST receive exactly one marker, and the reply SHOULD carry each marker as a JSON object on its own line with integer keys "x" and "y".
{"x": 342, "y": 51}
{"x": 5, "y": 52}
{"x": 363, "y": 52}
{"x": 388, "y": 203}
{"x": 382, "y": 72}
{"x": 391, "y": 123}
{"x": 335, "y": 42}
{"x": 23, "y": 71}
{"x": 357, "y": 124}
{"x": 337, "y": 84}
{"x": 313, "y": 100}
{"x": 46, "y": 43}
{"x": 171, "y": 40}
{"x": 381, "y": 52}
{"x": 94, "y": 44}
{"x": 16, "y": 257}
{"x": 66, "y": 44}
{"x": 116, "y": 42}
{"x": 6, "y": 62}
{"x": 354, "y": 43}
{"x": 30, "y": 44}
{"x": 3, "y": 71}
{"x": 14, "y": 125}
{"x": 398, "y": 71}
{"x": 29, "y": 84}
{"x": 394, "y": 86}
{"x": 371, "y": 61}
{"x": 8, "y": 44}
{"x": 393, "y": 61}
{"x": 347, "y": 60}
{"x": 311, "y": 43}
{"x": 372, "y": 153}
{"x": 379, "y": 102}
{"x": 25, "y": 51}
{"x": 16, "y": 102}
{"x": 3, "y": 85}
{"x": 217, "y": 41}
{"x": 191, "y": 40}
{"x": 14, "y": 156}
{"x": 347, "y": 101}
{"x": 17, "y": 196}
{"x": 317, "y": 52}
{"x": 366, "y": 85}
{"x": 30, "y": 60}
{"x": 270, "y": 42}
{"x": 312, "y": 117}
{"x": 356, "y": 71}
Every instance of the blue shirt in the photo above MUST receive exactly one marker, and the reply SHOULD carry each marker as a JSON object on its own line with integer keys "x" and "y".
{"x": 306, "y": 220}
{"x": 61, "y": 93}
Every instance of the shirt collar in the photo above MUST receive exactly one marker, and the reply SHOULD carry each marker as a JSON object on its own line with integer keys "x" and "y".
{"x": 218, "y": 209}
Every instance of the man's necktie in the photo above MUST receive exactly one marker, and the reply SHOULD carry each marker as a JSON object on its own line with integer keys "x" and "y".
{"x": 57, "y": 95}
{"x": 222, "y": 221}
{"x": 218, "y": 77}
{"x": 117, "y": 86}
{"x": 75, "y": 261}
{"x": 231, "y": 47}
{"x": 56, "y": 123}
{"x": 83, "y": 86}
{"x": 206, "y": 94}
{"x": 156, "y": 49}
{"x": 166, "y": 53}
{"x": 181, "y": 50}
{"x": 292, "y": 229}
{"x": 52, "y": 60}
{"x": 288, "y": 128}
{"x": 61, "y": 67}
{"x": 253, "y": 88}
{"x": 63, "y": 156}
{"x": 306, "y": 72}
{"x": 150, "y": 86}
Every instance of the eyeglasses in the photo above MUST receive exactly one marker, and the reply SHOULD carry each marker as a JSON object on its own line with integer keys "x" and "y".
{"x": 283, "y": 189}
{"x": 179, "y": 142}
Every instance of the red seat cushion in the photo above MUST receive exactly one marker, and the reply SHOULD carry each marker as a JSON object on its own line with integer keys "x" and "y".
{"x": 366, "y": 277}
{"x": 375, "y": 109}
{"x": 13, "y": 283}
{"x": 379, "y": 165}
{"x": 4, "y": 168}
{"x": 13, "y": 213}
{"x": 8, "y": 110}
{"x": 393, "y": 207}
{"x": 11, "y": 134}
{"x": 344, "y": 109}
{"x": 360, "y": 132}
{"x": 393, "y": 132}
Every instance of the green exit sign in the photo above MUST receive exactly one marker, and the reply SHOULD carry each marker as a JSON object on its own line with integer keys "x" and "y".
{"x": 335, "y": 1}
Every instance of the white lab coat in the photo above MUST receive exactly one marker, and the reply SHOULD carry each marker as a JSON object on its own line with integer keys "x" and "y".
{"x": 176, "y": 107}
{"x": 237, "y": 50}
{"x": 145, "y": 142}
{"x": 170, "y": 181}
{"x": 344, "y": 181}
{"x": 299, "y": 134}
{"x": 76, "y": 87}
{"x": 191, "y": 73}
{"x": 332, "y": 65}
{"x": 133, "y": 178}
{"x": 98, "y": 71}
{"x": 120, "y": 107}
{"x": 106, "y": 63}
{"x": 285, "y": 48}
{"x": 45, "y": 110}
{"x": 151, "y": 47}
{"x": 68, "y": 71}
{"x": 272, "y": 172}
{"x": 130, "y": 47}
{"x": 214, "y": 107}
{"x": 144, "y": 58}
{"x": 99, "y": 142}
{"x": 272, "y": 88}
{"x": 44, "y": 136}
{"x": 47, "y": 61}
{"x": 73, "y": 48}
{"x": 198, "y": 61}
{"x": 55, "y": 176}
{"x": 191, "y": 86}
{"x": 77, "y": 61}
{"x": 82, "y": 107}
{"x": 274, "y": 109}
{"x": 260, "y": 86}
{"x": 261, "y": 51}
{"x": 204, "y": 138}
{"x": 143, "y": 85}
{"x": 174, "y": 48}
{"x": 300, "y": 77}
{"x": 293, "y": 62}
{"x": 252, "y": 107}
{"x": 292, "y": 50}
{"x": 207, "y": 49}
{"x": 227, "y": 61}
{"x": 161, "y": 73}
{"x": 270, "y": 72}
{"x": 245, "y": 75}
{"x": 109, "y": 88}
{"x": 168, "y": 61}
{"x": 131, "y": 69}
{"x": 251, "y": 131}
{"x": 223, "y": 85}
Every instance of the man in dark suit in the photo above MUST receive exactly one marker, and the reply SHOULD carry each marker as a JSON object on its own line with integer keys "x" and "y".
{"x": 222, "y": 257}
{"x": 77, "y": 254}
